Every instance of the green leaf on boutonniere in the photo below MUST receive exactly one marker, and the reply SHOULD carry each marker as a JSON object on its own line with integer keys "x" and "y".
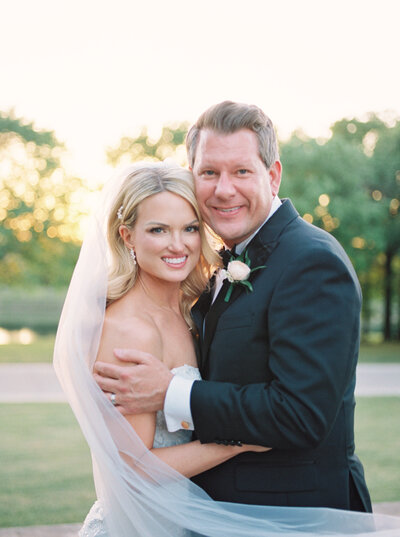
{"x": 238, "y": 272}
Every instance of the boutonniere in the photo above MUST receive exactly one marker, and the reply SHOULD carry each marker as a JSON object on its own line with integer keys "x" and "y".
{"x": 237, "y": 273}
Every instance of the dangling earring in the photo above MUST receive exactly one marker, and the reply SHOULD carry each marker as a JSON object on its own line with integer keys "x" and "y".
{"x": 133, "y": 256}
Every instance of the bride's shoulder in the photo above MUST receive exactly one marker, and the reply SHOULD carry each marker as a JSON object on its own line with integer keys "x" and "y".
{"x": 134, "y": 331}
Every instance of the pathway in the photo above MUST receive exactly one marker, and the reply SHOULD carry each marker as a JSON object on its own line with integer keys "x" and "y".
{"x": 22, "y": 383}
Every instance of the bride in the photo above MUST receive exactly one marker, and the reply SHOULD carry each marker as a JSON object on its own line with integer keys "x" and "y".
{"x": 137, "y": 291}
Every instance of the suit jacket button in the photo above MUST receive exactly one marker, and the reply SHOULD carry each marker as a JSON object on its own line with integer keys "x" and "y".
{"x": 185, "y": 424}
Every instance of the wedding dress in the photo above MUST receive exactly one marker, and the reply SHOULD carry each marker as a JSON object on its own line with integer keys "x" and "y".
{"x": 94, "y": 525}
{"x": 139, "y": 495}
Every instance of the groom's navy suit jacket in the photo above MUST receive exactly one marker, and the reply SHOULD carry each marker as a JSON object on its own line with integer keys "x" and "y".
{"x": 279, "y": 367}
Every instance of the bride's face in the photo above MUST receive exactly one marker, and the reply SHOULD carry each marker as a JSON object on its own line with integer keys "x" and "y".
{"x": 166, "y": 237}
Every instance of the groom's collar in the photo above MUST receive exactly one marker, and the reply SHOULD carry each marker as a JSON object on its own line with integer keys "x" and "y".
{"x": 241, "y": 246}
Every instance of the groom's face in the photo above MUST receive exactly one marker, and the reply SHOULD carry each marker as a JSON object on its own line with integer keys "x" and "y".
{"x": 233, "y": 186}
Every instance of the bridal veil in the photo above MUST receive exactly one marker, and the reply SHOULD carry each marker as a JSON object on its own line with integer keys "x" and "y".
{"x": 142, "y": 496}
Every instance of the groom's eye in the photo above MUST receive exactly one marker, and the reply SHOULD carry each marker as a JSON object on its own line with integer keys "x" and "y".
{"x": 209, "y": 173}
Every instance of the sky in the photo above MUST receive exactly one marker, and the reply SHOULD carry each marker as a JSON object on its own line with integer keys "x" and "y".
{"x": 94, "y": 71}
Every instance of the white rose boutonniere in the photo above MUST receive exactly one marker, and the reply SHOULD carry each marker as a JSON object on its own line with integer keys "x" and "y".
{"x": 238, "y": 272}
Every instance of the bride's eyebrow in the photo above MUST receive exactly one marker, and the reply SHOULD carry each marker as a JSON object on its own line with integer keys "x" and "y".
{"x": 195, "y": 221}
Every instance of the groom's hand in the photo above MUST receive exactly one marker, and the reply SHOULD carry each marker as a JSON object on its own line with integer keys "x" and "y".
{"x": 139, "y": 385}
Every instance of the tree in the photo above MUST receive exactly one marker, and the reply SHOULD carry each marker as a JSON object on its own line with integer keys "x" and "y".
{"x": 329, "y": 184}
{"x": 170, "y": 144}
{"x": 385, "y": 190}
{"x": 40, "y": 207}
{"x": 379, "y": 138}
{"x": 349, "y": 185}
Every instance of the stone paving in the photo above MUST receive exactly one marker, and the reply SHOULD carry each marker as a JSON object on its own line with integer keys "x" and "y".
{"x": 21, "y": 383}
{"x": 60, "y": 530}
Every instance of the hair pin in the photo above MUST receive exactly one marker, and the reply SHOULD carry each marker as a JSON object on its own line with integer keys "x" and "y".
{"x": 119, "y": 212}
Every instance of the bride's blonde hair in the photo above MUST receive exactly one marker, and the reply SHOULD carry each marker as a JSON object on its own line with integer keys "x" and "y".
{"x": 145, "y": 180}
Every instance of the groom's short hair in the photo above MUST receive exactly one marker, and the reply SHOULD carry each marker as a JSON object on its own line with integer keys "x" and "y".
{"x": 229, "y": 117}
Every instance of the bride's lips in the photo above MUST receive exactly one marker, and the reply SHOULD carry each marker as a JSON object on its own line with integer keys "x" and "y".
{"x": 175, "y": 262}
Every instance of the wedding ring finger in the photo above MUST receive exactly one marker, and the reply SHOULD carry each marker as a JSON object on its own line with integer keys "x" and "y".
{"x": 113, "y": 401}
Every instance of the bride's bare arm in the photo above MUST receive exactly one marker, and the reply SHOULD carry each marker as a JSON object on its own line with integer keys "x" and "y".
{"x": 188, "y": 459}
{"x": 194, "y": 458}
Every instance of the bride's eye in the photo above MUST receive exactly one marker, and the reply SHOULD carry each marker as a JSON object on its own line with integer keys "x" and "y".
{"x": 192, "y": 229}
{"x": 156, "y": 230}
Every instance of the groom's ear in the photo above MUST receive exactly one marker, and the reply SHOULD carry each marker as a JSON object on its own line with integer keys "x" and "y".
{"x": 275, "y": 173}
{"x": 126, "y": 235}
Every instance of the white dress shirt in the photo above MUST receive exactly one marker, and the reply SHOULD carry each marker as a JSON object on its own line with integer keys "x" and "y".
{"x": 177, "y": 399}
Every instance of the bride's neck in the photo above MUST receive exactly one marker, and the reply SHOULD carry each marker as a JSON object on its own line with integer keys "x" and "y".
{"x": 159, "y": 293}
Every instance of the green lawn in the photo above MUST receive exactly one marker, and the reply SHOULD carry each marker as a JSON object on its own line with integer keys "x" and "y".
{"x": 45, "y": 470}
{"x": 377, "y": 430}
{"x": 41, "y": 350}
{"x": 380, "y": 352}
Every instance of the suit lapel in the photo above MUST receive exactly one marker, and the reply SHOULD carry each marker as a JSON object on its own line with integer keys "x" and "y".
{"x": 259, "y": 250}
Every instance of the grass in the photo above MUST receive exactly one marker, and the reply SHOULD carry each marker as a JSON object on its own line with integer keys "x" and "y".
{"x": 45, "y": 470}
{"x": 377, "y": 431}
{"x": 380, "y": 352}
{"x": 41, "y": 350}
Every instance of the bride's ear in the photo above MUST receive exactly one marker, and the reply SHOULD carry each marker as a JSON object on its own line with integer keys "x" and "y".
{"x": 126, "y": 235}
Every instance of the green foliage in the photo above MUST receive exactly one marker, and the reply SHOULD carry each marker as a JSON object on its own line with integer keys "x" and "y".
{"x": 40, "y": 207}
{"x": 27, "y": 131}
{"x": 350, "y": 186}
{"x": 170, "y": 144}
{"x": 386, "y": 186}
{"x": 37, "y": 308}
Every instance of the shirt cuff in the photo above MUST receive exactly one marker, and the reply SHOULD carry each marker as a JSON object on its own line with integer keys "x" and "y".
{"x": 177, "y": 405}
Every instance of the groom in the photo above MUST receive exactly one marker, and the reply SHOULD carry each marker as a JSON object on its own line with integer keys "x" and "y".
{"x": 279, "y": 362}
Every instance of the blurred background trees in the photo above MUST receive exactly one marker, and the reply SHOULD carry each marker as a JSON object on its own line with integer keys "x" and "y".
{"x": 348, "y": 185}
{"x": 40, "y": 207}
{"x": 170, "y": 144}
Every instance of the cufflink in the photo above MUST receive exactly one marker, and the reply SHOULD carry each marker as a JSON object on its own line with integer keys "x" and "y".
{"x": 185, "y": 425}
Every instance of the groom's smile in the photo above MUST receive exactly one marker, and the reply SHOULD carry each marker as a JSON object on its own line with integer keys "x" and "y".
{"x": 233, "y": 186}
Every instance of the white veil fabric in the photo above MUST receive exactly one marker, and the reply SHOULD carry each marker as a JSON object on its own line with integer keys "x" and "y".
{"x": 141, "y": 495}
